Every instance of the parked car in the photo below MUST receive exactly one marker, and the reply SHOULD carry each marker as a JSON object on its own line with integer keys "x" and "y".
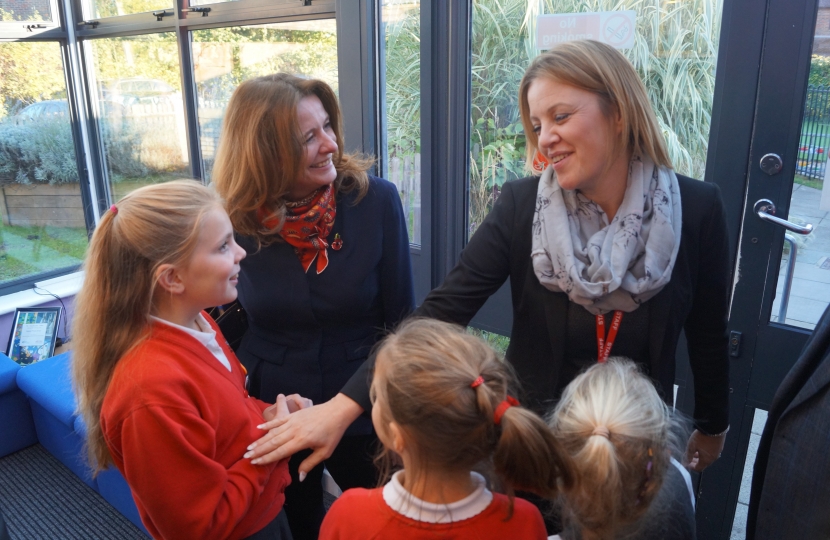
{"x": 51, "y": 108}
{"x": 133, "y": 91}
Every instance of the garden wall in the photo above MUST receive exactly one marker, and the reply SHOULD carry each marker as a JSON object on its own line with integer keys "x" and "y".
{"x": 58, "y": 205}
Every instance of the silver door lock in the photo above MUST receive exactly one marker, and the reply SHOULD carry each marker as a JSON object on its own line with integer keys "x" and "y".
{"x": 771, "y": 164}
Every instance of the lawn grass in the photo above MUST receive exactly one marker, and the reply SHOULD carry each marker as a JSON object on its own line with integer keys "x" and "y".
{"x": 126, "y": 185}
{"x": 497, "y": 341}
{"x": 31, "y": 250}
{"x": 11, "y": 268}
{"x": 809, "y": 182}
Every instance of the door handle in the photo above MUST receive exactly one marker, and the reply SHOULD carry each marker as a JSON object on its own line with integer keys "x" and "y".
{"x": 766, "y": 211}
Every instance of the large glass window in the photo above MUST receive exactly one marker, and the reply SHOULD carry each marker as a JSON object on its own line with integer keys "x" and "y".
{"x": 401, "y": 34}
{"x": 113, "y": 8}
{"x": 224, "y": 57}
{"x": 139, "y": 110}
{"x": 43, "y": 227}
{"x": 675, "y": 51}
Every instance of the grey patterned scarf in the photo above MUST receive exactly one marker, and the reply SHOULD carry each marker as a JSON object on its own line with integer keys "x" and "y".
{"x": 602, "y": 266}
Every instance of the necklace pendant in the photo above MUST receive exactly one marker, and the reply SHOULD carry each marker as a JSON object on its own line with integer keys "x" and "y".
{"x": 337, "y": 243}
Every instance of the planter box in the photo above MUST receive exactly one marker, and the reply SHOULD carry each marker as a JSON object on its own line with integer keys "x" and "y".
{"x": 32, "y": 205}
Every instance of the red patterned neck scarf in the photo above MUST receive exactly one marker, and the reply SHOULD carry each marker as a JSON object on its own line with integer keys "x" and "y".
{"x": 307, "y": 226}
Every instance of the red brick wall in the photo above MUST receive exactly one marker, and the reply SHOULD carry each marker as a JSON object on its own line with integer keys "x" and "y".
{"x": 821, "y": 43}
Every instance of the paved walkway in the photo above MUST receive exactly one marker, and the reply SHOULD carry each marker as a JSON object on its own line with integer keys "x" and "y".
{"x": 810, "y": 291}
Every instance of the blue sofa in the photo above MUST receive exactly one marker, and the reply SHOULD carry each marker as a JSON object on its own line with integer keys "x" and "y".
{"x": 48, "y": 386}
{"x": 18, "y": 428}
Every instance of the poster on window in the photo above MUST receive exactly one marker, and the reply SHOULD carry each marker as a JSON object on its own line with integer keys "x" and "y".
{"x": 615, "y": 28}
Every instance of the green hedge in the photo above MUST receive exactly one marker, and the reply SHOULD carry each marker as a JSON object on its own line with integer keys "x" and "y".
{"x": 819, "y": 71}
{"x": 37, "y": 152}
{"x": 42, "y": 152}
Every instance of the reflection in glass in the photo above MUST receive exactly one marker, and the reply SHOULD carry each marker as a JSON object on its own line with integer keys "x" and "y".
{"x": 97, "y": 9}
{"x": 224, "y": 57}
{"x": 675, "y": 52}
{"x": 803, "y": 289}
{"x": 25, "y": 10}
{"x": 401, "y": 31}
{"x": 139, "y": 109}
{"x": 42, "y": 225}
{"x": 204, "y": 2}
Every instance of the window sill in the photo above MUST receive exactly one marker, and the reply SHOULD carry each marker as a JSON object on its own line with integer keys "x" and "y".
{"x": 61, "y": 286}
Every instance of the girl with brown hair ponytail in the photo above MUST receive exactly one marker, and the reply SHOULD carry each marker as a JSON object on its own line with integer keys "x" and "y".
{"x": 443, "y": 406}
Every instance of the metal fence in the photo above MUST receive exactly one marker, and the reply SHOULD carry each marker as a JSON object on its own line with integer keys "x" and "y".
{"x": 814, "y": 143}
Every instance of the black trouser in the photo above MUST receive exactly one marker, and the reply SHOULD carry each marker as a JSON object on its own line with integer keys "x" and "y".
{"x": 351, "y": 465}
{"x": 276, "y": 530}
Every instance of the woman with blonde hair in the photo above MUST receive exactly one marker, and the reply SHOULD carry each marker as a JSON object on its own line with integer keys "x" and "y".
{"x": 621, "y": 437}
{"x": 327, "y": 271}
{"x": 608, "y": 250}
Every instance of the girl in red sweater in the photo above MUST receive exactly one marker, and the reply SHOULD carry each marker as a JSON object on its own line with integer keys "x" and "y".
{"x": 162, "y": 394}
{"x": 442, "y": 407}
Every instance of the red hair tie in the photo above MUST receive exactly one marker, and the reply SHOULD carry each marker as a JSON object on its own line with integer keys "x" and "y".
{"x": 114, "y": 209}
{"x": 478, "y": 382}
{"x": 508, "y": 402}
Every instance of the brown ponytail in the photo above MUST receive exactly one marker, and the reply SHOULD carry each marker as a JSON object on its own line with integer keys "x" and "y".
{"x": 424, "y": 375}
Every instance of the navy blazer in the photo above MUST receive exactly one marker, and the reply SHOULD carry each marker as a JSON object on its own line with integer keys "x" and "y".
{"x": 309, "y": 333}
{"x": 791, "y": 483}
{"x": 696, "y": 299}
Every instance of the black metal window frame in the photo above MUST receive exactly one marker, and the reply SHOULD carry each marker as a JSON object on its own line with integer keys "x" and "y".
{"x": 182, "y": 22}
{"x": 55, "y": 31}
{"x": 357, "y": 68}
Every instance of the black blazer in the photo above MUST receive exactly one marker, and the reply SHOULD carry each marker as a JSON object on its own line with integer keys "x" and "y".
{"x": 791, "y": 484}
{"x": 696, "y": 299}
{"x": 309, "y": 333}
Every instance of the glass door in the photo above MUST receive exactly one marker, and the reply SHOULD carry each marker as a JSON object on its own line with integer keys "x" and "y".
{"x": 782, "y": 283}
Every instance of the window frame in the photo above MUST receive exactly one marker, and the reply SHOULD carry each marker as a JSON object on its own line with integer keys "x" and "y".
{"x": 357, "y": 68}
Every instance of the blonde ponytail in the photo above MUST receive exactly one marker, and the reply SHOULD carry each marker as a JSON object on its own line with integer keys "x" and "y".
{"x": 619, "y": 434}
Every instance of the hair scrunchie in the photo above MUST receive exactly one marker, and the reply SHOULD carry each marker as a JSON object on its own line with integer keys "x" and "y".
{"x": 508, "y": 402}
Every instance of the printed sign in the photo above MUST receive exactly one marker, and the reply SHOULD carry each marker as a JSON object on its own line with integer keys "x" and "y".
{"x": 616, "y": 28}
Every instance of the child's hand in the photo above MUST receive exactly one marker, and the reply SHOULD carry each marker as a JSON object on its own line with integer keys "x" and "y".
{"x": 285, "y": 406}
{"x": 297, "y": 402}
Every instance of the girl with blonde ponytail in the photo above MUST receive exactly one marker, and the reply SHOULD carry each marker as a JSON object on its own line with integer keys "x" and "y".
{"x": 443, "y": 408}
{"x": 621, "y": 436}
{"x": 161, "y": 392}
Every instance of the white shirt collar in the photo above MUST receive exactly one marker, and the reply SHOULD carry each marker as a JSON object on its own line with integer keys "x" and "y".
{"x": 404, "y": 503}
{"x": 206, "y": 335}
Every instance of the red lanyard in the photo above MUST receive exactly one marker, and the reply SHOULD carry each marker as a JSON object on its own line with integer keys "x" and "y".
{"x": 604, "y": 345}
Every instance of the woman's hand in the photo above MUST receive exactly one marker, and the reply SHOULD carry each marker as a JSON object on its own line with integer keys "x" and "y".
{"x": 290, "y": 404}
{"x": 702, "y": 450}
{"x": 319, "y": 428}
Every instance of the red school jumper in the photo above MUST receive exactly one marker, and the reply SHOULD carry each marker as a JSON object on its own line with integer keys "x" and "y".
{"x": 177, "y": 424}
{"x": 362, "y": 514}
